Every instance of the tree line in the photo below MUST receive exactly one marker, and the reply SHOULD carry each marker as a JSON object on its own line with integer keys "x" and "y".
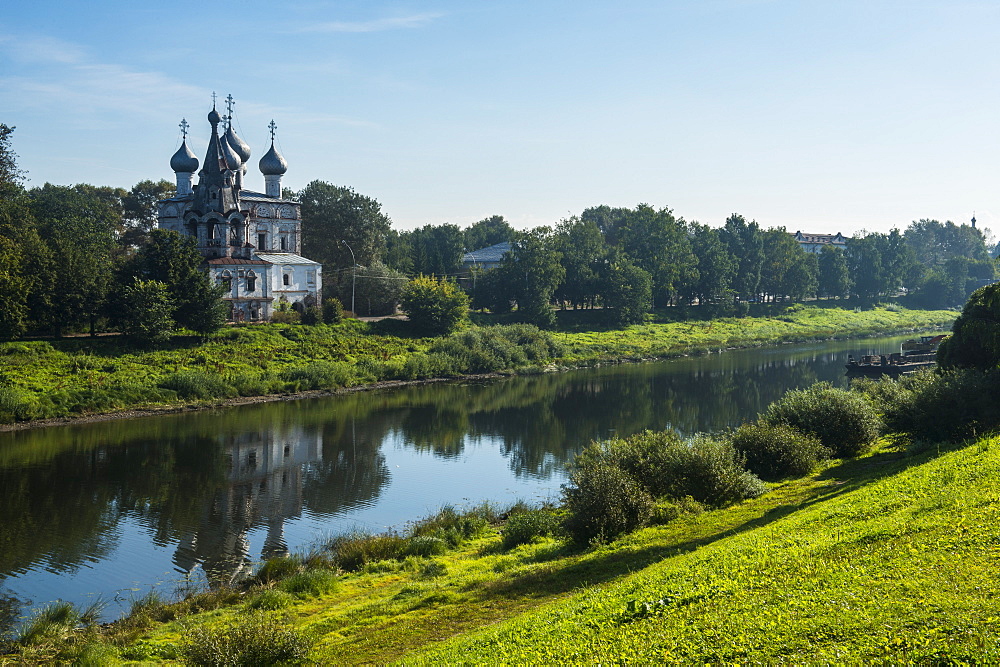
{"x": 84, "y": 257}
{"x": 627, "y": 261}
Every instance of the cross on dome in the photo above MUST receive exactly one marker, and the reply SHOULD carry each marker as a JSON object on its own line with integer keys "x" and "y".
{"x": 184, "y": 125}
{"x": 273, "y": 128}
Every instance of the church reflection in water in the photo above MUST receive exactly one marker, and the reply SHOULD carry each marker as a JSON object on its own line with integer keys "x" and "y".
{"x": 264, "y": 487}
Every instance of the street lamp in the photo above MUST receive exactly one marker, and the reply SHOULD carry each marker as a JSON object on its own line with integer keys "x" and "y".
{"x": 354, "y": 276}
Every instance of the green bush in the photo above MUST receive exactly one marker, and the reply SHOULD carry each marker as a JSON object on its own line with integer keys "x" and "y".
{"x": 434, "y": 307}
{"x": 257, "y": 639}
{"x": 270, "y": 600}
{"x": 975, "y": 338}
{"x": 524, "y": 526}
{"x": 352, "y": 552}
{"x": 311, "y": 583}
{"x": 844, "y": 421}
{"x": 425, "y": 546}
{"x": 777, "y": 451}
{"x": 319, "y": 375}
{"x": 197, "y": 384}
{"x": 333, "y": 311}
{"x": 603, "y": 502}
{"x": 311, "y": 316}
{"x": 946, "y": 406}
{"x": 276, "y": 569}
{"x": 16, "y": 405}
{"x": 708, "y": 470}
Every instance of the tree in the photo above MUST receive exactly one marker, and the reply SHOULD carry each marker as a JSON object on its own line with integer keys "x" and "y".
{"x": 833, "y": 278}
{"x": 139, "y": 210}
{"x": 436, "y": 249}
{"x": 11, "y": 177}
{"x": 435, "y": 307}
{"x": 658, "y": 242}
{"x": 864, "y": 261}
{"x": 628, "y": 293}
{"x": 145, "y": 312}
{"x": 488, "y": 231}
{"x": 788, "y": 270}
{"x": 78, "y": 226}
{"x": 715, "y": 268}
{"x": 975, "y": 335}
{"x": 175, "y": 261}
{"x": 609, "y": 220}
{"x": 338, "y": 220}
{"x": 378, "y": 290}
{"x": 534, "y": 270}
{"x": 583, "y": 258}
{"x": 745, "y": 243}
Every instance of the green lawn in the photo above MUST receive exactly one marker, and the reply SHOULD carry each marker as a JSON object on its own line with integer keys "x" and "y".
{"x": 79, "y": 376}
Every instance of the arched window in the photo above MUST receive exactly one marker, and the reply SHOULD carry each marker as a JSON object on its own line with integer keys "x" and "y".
{"x": 226, "y": 279}
{"x": 286, "y": 279}
{"x": 251, "y": 281}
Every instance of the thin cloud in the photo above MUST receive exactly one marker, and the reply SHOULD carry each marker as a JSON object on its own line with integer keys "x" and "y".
{"x": 378, "y": 25}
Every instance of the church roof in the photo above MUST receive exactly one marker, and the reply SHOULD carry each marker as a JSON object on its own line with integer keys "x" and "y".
{"x": 285, "y": 258}
{"x": 235, "y": 260}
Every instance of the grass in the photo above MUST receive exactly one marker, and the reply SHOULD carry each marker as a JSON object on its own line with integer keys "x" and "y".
{"x": 843, "y": 564}
{"x": 80, "y": 376}
{"x": 890, "y": 557}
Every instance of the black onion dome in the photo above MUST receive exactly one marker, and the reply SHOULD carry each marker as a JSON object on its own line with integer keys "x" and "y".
{"x": 272, "y": 164}
{"x": 184, "y": 161}
{"x": 213, "y": 117}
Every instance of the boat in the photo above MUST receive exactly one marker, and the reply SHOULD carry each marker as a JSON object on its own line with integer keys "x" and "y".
{"x": 914, "y": 354}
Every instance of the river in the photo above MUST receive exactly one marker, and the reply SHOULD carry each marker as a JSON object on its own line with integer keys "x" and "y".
{"x": 110, "y": 510}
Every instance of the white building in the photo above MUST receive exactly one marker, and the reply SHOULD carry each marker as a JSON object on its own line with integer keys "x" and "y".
{"x": 813, "y": 243}
{"x": 251, "y": 241}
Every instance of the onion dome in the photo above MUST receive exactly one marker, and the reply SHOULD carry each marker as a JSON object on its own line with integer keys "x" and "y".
{"x": 184, "y": 161}
{"x": 272, "y": 164}
{"x": 240, "y": 146}
{"x": 213, "y": 117}
{"x": 232, "y": 159}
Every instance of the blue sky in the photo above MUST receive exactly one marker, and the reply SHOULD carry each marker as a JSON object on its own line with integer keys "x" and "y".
{"x": 824, "y": 117}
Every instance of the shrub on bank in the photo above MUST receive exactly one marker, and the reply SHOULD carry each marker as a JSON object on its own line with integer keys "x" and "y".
{"x": 197, "y": 384}
{"x": 602, "y": 502}
{"x": 256, "y": 639}
{"x": 949, "y": 405}
{"x": 777, "y": 451}
{"x": 844, "y": 421}
{"x": 522, "y": 527}
{"x": 708, "y": 470}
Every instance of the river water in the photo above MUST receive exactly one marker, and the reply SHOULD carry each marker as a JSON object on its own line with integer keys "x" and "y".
{"x": 114, "y": 509}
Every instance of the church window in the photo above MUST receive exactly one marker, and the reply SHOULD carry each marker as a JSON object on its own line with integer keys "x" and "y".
{"x": 251, "y": 283}
{"x": 262, "y": 241}
{"x": 283, "y": 243}
{"x": 286, "y": 279}
{"x": 311, "y": 277}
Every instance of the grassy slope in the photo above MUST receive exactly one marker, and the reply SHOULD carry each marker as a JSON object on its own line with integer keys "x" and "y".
{"x": 900, "y": 567}
{"x": 888, "y": 557}
{"x": 75, "y": 367}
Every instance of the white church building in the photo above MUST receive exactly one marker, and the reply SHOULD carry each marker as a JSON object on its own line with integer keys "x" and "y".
{"x": 251, "y": 241}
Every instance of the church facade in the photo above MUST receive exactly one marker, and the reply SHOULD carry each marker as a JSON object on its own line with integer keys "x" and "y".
{"x": 251, "y": 241}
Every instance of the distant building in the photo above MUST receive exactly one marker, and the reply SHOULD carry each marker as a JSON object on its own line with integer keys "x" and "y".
{"x": 485, "y": 258}
{"x": 813, "y": 243}
{"x": 250, "y": 240}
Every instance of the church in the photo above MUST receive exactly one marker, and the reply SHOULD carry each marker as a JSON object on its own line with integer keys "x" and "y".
{"x": 251, "y": 241}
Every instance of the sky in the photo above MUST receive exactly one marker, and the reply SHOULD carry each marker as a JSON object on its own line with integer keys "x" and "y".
{"x": 816, "y": 116}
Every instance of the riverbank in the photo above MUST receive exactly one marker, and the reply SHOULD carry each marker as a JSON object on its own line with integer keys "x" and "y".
{"x": 888, "y": 557}
{"x": 52, "y": 382}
